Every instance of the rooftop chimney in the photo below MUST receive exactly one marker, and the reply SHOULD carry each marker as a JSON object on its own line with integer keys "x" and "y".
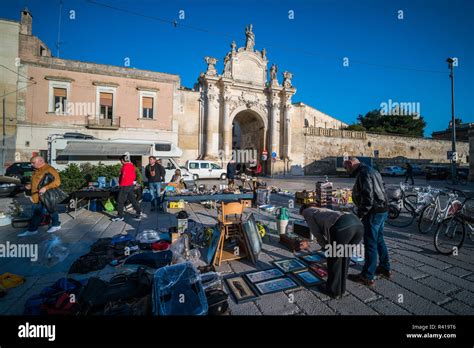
{"x": 26, "y": 22}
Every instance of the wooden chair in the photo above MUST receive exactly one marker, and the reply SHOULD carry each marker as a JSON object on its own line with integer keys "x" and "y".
{"x": 230, "y": 224}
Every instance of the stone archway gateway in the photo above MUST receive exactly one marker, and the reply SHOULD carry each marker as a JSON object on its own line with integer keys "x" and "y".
{"x": 244, "y": 96}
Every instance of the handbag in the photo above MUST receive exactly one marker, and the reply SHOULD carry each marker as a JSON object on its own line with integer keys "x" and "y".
{"x": 51, "y": 197}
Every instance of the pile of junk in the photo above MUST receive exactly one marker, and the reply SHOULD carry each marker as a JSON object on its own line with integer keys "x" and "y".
{"x": 153, "y": 273}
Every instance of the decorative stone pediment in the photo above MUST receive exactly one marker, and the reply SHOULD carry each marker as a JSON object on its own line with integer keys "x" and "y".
{"x": 248, "y": 66}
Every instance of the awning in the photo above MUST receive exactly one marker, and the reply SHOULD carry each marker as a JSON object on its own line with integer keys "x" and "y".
{"x": 91, "y": 148}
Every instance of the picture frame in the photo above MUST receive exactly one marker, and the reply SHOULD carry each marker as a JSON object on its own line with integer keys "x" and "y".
{"x": 290, "y": 265}
{"x": 317, "y": 257}
{"x": 319, "y": 270}
{"x": 260, "y": 276}
{"x": 308, "y": 278}
{"x": 275, "y": 285}
{"x": 250, "y": 230}
{"x": 211, "y": 251}
{"x": 241, "y": 291}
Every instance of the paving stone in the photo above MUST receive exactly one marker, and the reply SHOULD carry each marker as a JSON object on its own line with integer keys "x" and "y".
{"x": 276, "y": 304}
{"x": 411, "y": 301}
{"x": 465, "y": 296}
{"x": 241, "y": 266}
{"x": 411, "y": 272}
{"x": 224, "y": 268}
{"x": 458, "y": 271}
{"x": 460, "y": 282}
{"x": 386, "y": 307}
{"x": 311, "y": 304}
{"x": 424, "y": 259}
{"x": 439, "y": 284}
{"x": 405, "y": 261}
{"x": 248, "y": 308}
{"x": 418, "y": 288}
{"x": 362, "y": 292}
{"x": 471, "y": 278}
{"x": 459, "y": 308}
{"x": 350, "y": 305}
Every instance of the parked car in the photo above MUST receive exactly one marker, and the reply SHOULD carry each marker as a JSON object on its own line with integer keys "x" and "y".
{"x": 206, "y": 170}
{"x": 20, "y": 170}
{"x": 417, "y": 170}
{"x": 9, "y": 186}
{"x": 393, "y": 171}
{"x": 437, "y": 172}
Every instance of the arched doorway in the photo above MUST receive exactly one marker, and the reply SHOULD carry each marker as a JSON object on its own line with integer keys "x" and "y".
{"x": 248, "y": 136}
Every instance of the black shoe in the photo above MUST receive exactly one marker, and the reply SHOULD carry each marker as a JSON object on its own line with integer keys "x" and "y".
{"x": 359, "y": 278}
{"x": 152, "y": 209}
{"x": 380, "y": 271}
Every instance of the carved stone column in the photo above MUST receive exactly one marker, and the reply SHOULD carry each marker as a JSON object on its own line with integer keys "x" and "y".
{"x": 287, "y": 130}
{"x": 227, "y": 128}
{"x": 274, "y": 136}
{"x": 212, "y": 124}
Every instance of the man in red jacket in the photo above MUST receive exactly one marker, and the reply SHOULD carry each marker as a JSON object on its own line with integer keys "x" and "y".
{"x": 126, "y": 189}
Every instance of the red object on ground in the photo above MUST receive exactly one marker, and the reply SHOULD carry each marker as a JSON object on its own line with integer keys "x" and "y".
{"x": 127, "y": 174}
{"x": 161, "y": 245}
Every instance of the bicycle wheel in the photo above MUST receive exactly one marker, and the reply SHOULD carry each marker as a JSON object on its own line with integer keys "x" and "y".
{"x": 449, "y": 236}
{"x": 397, "y": 218}
{"x": 428, "y": 218}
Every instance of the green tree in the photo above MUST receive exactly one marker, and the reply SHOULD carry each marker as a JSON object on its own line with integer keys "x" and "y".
{"x": 375, "y": 122}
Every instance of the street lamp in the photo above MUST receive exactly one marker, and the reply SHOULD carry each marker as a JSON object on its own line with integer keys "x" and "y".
{"x": 453, "y": 121}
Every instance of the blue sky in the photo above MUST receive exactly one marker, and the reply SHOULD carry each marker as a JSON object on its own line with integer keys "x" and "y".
{"x": 312, "y": 45}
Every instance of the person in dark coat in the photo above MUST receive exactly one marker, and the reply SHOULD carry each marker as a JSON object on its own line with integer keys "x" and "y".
{"x": 409, "y": 173}
{"x": 371, "y": 201}
{"x": 231, "y": 170}
{"x": 155, "y": 173}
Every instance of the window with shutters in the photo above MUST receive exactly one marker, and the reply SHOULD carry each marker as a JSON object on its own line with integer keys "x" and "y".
{"x": 147, "y": 105}
{"x": 60, "y": 100}
{"x": 59, "y": 94}
{"x": 106, "y": 101}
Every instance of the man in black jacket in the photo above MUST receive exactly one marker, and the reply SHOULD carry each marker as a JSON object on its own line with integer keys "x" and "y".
{"x": 371, "y": 200}
{"x": 155, "y": 174}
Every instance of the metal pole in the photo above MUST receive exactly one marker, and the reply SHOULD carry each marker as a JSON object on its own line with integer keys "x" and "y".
{"x": 453, "y": 122}
{"x": 4, "y": 135}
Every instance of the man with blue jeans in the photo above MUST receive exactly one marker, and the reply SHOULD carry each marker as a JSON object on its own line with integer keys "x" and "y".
{"x": 155, "y": 174}
{"x": 41, "y": 169}
{"x": 371, "y": 200}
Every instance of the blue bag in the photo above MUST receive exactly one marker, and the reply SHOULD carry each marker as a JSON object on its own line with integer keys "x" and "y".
{"x": 177, "y": 290}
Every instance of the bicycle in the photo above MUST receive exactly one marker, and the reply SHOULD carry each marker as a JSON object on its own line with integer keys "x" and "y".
{"x": 403, "y": 207}
{"x": 451, "y": 232}
{"x": 459, "y": 179}
{"x": 433, "y": 214}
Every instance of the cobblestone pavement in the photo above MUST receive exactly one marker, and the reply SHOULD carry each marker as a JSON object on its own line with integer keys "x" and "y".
{"x": 424, "y": 282}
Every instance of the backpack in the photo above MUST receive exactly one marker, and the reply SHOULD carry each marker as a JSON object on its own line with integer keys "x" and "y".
{"x": 52, "y": 299}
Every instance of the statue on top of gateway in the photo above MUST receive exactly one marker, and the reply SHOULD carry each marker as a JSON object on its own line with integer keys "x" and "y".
{"x": 250, "y": 42}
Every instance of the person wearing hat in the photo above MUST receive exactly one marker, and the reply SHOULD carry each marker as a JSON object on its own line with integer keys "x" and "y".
{"x": 126, "y": 188}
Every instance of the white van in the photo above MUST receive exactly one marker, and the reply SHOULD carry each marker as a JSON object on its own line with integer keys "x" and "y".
{"x": 205, "y": 170}
{"x": 64, "y": 150}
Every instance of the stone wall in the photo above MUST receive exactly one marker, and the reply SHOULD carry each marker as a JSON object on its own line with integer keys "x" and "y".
{"x": 322, "y": 150}
{"x": 188, "y": 118}
{"x": 471, "y": 155}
